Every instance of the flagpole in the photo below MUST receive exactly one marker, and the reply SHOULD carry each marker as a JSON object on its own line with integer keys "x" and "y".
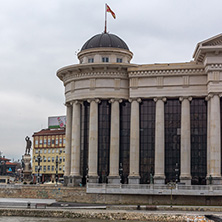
{"x": 105, "y": 17}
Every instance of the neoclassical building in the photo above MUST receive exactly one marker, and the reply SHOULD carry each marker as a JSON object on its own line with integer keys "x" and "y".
{"x": 129, "y": 123}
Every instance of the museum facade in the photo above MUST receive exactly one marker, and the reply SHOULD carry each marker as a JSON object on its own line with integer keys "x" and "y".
{"x": 139, "y": 124}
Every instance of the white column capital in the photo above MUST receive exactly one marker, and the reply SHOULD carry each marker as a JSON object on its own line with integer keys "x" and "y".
{"x": 189, "y": 98}
{"x": 164, "y": 99}
{"x": 139, "y": 100}
{"x": 115, "y": 100}
{"x": 211, "y": 95}
{"x": 94, "y": 100}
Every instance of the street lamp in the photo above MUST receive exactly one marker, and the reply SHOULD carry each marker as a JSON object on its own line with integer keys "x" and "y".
{"x": 39, "y": 160}
{"x": 57, "y": 163}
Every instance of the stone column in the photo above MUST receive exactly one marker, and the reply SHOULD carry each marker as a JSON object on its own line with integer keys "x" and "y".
{"x": 215, "y": 141}
{"x": 134, "y": 176}
{"x": 114, "y": 143}
{"x": 208, "y": 138}
{"x": 185, "y": 173}
{"x": 75, "y": 157}
{"x": 159, "y": 173}
{"x": 93, "y": 142}
{"x": 68, "y": 142}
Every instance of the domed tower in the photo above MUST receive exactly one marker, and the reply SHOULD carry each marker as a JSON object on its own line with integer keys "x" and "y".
{"x": 94, "y": 89}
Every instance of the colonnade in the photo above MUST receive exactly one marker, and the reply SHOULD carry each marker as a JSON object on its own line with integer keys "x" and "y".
{"x": 72, "y": 167}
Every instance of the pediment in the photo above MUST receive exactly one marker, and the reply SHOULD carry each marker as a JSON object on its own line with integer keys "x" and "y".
{"x": 214, "y": 41}
{"x": 213, "y": 44}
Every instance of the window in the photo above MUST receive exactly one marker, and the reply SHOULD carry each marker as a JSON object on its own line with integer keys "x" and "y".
{"x": 63, "y": 159}
{"x": 44, "y": 159}
{"x": 45, "y": 151}
{"x": 44, "y": 141}
{"x": 64, "y": 141}
{"x": 53, "y": 168}
{"x": 53, "y": 159}
{"x": 53, "y": 150}
{"x": 90, "y": 60}
{"x": 41, "y": 151}
{"x": 125, "y": 108}
{"x": 57, "y": 141}
{"x": 49, "y": 141}
{"x": 36, "y": 151}
{"x": 44, "y": 168}
{"x": 172, "y": 116}
{"x": 36, "y": 142}
{"x": 105, "y": 59}
{"x": 104, "y": 110}
{"x": 49, "y": 159}
{"x": 53, "y": 141}
{"x": 57, "y": 150}
{"x": 60, "y": 168}
{"x": 36, "y": 168}
{"x": 119, "y": 60}
{"x": 49, "y": 150}
{"x": 49, "y": 168}
{"x": 60, "y": 159}
{"x": 40, "y": 142}
{"x": 147, "y": 140}
{"x": 63, "y": 168}
{"x": 60, "y": 141}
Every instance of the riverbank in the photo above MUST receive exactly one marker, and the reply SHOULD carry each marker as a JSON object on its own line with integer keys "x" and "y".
{"x": 111, "y": 215}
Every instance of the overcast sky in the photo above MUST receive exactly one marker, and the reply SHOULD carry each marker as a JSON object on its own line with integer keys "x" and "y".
{"x": 38, "y": 37}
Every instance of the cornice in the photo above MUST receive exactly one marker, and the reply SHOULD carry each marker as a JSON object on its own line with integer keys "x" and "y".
{"x": 166, "y": 72}
{"x": 94, "y": 75}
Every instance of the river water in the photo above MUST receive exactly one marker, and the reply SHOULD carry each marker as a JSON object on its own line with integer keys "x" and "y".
{"x": 44, "y": 219}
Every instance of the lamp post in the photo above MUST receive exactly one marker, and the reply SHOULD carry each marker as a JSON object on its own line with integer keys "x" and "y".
{"x": 39, "y": 160}
{"x": 57, "y": 163}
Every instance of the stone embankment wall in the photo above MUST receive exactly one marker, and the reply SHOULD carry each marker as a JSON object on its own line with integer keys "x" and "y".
{"x": 78, "y": 194}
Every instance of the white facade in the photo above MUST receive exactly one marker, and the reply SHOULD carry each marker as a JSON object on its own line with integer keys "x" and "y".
{"x": 94, "y": 81}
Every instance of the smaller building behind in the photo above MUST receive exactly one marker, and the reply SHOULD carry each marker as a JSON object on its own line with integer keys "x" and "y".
{"x": 50, "y": 145}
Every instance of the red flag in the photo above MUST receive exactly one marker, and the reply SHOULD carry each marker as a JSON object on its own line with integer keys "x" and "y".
{"x": 108, "y": 9}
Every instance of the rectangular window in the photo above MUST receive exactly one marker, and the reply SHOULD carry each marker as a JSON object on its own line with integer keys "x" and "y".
{"x": 64, "y": 141}
{"x": 53, "y": 141}
{"x": 53, "y": 168}
{"x": 44, "y": 159}
{"x": 36, "y": 151}
{"x": 119, "y": 60}
{"x": 63, "y": 159}
{"x": 105, "y": 59}
{"x": 53, "y": 159}
{"x": 90, "y": 60}
{"x": 53, "y": 150}
{"x": 48, "y": 159}
{"x": 44, "y": 168}
{"x": 60, "y": 141}
{"x": 45, "y": 141}
{"x": 40, "y": 142}
{"x": 36, "y": 168}
{"x": 49, "y": 150}
{"x": 45, "y": 150}
{"x": 36, "y": 142}
{"x": 49, "y": 141}
{"x": 57, "y": 141}
{"x": 48, "y": 168}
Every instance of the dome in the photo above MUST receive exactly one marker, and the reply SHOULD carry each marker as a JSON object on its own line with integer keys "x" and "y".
{"x": 105, "y": 40}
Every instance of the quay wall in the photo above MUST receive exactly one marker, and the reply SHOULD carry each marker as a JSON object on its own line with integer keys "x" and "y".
{"x": 79, "y": 195}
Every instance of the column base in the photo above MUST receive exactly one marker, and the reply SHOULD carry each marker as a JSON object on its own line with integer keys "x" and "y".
{"x": 159, "y": 179}
{"x": 114, "y": 179}
{"x": 74, "y": 181}
{"x": 185, "y": 180}
{"x": 93, "y": 179}
{"x": 214, "y": 180}
{"x": 66, "y": 180}
{"x": 134, "y": 179}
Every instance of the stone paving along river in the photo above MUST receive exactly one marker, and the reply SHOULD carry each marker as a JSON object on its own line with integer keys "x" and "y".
{"x": 41, "y": 219}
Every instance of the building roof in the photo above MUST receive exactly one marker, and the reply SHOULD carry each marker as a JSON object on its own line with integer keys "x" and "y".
{"x": 105, "y": 40}
{"x": 46, "y": 132}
